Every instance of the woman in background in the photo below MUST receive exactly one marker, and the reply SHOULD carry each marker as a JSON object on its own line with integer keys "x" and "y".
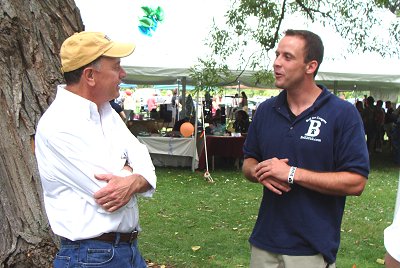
{"x": 242, "y": 122}
{"x": 244, "y": 105}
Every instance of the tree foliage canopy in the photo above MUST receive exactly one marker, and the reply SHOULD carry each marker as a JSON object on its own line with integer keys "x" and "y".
{"x": 367, "y": 25}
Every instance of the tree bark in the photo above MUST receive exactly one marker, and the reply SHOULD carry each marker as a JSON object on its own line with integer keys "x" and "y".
{"x": 31, "y": 33}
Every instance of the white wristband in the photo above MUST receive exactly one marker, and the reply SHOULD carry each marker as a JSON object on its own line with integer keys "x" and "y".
{"x": 290, "y": 178}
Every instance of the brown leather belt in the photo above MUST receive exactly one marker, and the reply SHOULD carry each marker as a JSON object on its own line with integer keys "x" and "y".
{"x": 112, "y": 237}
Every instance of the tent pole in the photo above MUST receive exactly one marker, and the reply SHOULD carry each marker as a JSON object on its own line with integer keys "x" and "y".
{"x": 177, "y": 99}
{"x": 183, "y": 80}
{"x": 195, "y": 156}
{"x": 335, "y": 89}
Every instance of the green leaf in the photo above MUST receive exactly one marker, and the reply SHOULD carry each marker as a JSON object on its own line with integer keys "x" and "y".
{"x": 148, "y": 10}
{"x": 159, "y": 13}
{"x": 146, "y": 22}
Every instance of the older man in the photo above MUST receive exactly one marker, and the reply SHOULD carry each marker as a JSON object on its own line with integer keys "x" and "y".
{"x": 91, "y": 166}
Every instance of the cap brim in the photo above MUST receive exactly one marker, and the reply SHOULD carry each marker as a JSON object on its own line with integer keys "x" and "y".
{"x": 120, "y": 50}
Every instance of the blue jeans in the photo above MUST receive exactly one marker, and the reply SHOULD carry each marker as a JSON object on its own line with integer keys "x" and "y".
{"x": 95, "y": 253}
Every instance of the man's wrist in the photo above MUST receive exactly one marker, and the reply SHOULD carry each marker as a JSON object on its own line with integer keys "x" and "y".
{"x": 124, "y": 172}
{"x": 292, "y": 171}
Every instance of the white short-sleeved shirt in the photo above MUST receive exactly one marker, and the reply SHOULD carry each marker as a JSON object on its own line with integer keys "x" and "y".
{"x": 392, "y": 233}
{"x": 75, "y": 140}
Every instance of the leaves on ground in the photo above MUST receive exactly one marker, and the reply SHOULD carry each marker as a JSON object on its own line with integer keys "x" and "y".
{"x": 195, "y": 248}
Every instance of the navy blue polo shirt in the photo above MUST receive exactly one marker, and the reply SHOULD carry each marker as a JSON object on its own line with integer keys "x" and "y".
{"x": 116, "y": 106}
{"x": 328, "y": 136}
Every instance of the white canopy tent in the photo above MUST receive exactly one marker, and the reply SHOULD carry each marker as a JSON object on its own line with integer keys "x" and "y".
{"x": 170, "y": 75}
{"x": 381, "y": 86}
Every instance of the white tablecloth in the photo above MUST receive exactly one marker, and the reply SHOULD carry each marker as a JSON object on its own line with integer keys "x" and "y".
{"x": 167, "y": 151}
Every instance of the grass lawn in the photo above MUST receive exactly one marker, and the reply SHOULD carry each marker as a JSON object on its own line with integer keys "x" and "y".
{"x": 192, "y": 223}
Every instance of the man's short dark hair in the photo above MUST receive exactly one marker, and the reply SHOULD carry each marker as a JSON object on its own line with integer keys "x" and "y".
{"x": 74, "y": 76}
{"x": 314, "y": 48}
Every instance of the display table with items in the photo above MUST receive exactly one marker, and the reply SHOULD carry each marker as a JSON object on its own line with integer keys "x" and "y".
{"x": 146, "y": 126}
{"x": 171, "y": 151}
{"x": 222, "y": 146}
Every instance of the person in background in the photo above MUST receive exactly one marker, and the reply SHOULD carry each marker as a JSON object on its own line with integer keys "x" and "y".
{"x": 244, "y": 103}
{"x": 175, "y": 101}
{"x": 91, "y": 166}
{"x": 120, "y": 99}
{"x": 360, "y": 107}
{"x": 168, "y": 96}
{"x": 216, "y": 101}
{"x": 396, "y": 140}
{"x": 370, "y": 127}
{"x": 151, "y": 102}
{"x": 190, "y": 107}
{"x": 303, "y": 147}
{"x": 379, "y": 115}
{"x": 118, "y": 109}
{"x": 217, "y": 118}
{"x": 390, "y": 120}
{"x": 129, "y": 105}
{"x": 242, "y": 122}
{"x": 235, "y": 101}
{"x": 365, "y": 101}
{"x": 216, "y": 125}
{"x": 392, "y": 237}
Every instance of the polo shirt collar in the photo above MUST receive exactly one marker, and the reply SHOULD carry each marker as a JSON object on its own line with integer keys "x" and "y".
{"x": 281, "y": 99}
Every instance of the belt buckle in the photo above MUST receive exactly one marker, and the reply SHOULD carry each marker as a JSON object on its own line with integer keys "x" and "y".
{"x": 133, "y": 237}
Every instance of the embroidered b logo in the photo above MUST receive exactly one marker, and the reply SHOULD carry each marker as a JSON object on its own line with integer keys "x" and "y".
{"x": 313, "y": 129}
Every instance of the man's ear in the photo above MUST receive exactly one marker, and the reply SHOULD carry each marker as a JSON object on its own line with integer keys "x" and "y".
{"x": 311, "y": 67}
{"x": 88, "y": 75}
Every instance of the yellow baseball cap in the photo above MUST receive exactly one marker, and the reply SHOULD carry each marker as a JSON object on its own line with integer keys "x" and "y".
{"x": 82, "y": 48}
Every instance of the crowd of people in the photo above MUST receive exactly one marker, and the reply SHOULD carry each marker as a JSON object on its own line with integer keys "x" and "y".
{"x": 215, "y": 115}
{"x": 225, "y": 118}
{"x": 379, "y": 121}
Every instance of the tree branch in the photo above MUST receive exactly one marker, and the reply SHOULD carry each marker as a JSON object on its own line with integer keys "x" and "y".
{"x": 310, "y": 11}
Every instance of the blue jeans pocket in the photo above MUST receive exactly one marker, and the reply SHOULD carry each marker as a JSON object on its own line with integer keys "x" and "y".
{"x": 61, "y": 261}
{"x": 99, "y": 255}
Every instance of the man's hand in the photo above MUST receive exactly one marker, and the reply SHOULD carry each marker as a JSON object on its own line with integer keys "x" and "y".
{"x": 273, "y": 173}
{"x": 119, "y": 190}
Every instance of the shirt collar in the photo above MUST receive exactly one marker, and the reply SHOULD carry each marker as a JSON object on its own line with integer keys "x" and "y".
{"x": 281, "y": 99}
{"x": 80, "y": 105}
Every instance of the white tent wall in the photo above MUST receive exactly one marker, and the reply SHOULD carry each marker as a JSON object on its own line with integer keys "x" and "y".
{"x": 381, "y": 86}
{"x": 386, "y": 95}
{"x": 154, "y": 75}
{"x": 165, "y": 76}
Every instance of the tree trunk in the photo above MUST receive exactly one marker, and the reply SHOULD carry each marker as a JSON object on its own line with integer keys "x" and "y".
{"x": 31, "y": 33}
